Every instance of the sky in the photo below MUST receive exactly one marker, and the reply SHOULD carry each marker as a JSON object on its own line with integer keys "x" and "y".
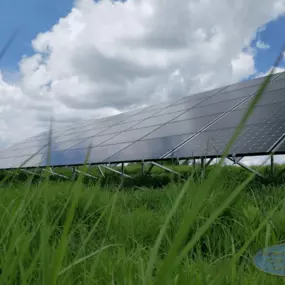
{"x": 73, "y": 60}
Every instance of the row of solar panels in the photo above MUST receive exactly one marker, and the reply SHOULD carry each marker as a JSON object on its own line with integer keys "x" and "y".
{"x": 194, "y": 126}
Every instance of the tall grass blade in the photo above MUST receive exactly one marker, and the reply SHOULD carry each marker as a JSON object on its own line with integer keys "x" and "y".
{"x": 8, "y": 44}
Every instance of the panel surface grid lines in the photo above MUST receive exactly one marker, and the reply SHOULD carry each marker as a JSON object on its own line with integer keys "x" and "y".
{"x": 117, "y": 134}
{"x": 180, "y": 131}
{"x": 253, "y": 140}
{"x": 274, "y": 116}
{"x": 122, "y": 132}
{"x": 151, "y": 132}
{"x": 151, "y": 149}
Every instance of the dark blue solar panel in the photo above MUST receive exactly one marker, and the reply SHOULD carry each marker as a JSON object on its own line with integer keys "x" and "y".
{"x": 150, "y": 132}
{"x": 253, "y": 140}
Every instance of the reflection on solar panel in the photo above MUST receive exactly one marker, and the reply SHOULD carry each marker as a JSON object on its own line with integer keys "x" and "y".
{"x": 199, "y": 125}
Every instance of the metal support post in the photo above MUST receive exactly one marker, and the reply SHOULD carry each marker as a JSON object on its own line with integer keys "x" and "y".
{"x": 150, "y": 169}
{"x": 28, "y": 171}
{"x": 202, "y": 168}
{"x": 246, "y": 167}
{"x": 209, "y": 162}
{"x": 86, "y": 174}
{"x": 54, "y": 173}
{"x": 164, "y": 167}
{"x": 142, "y": 168}
{"x": 122, "y": 173}
{"x": 118, "y": 172}
{"x": 272, "y": 164}
{"x": 194, "y": 163}
{"x": 239, "y": 159}
{"x": 73, "y": 177}
{"x": 101, "y": 172}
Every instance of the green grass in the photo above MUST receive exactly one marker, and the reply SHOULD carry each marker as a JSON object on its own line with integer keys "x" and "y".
{"x": 62, "y": 232}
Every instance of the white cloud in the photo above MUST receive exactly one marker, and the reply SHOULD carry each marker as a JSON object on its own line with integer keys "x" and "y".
{"x": 262, "y": 45}
{"x": 103, "y": 58}
{"x": 243, "y": 65}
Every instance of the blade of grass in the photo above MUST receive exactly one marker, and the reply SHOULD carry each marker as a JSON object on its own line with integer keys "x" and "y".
{"x": 61, "y": 249}
{"x": 154, "y": 251}
{"x": 82, "y": 259}
{"x": 8, "y": 44}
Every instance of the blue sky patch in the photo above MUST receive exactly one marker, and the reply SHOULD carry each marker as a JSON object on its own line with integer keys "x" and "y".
{"x": 273, "y": 35}
{"x": 32, "y": 17}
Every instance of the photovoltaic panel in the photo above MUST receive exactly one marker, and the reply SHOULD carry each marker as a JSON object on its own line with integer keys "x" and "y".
{"x": 150, "y": 149}
{"x": 262, "y": 129}
{"x": 208, "y": 110}
{"x": 130, "y": 135}
{"x": 78, "y": 156}
{"x": 262, "y": 114}
{"x": 178, "y": 108}
{"x": 279, "y": 84}
{"x": 236, "y": 94}
{"x": 271, "y": 97}
{"x": 118, "y": 128}
{"x": 34, "y": 161}
{"x": 181, "y": 128}
{"x": 93, "y": 141}
{"x": 198, "y": 97}
{"x": 254, "y": 139}
{"x": 143, "y": 116}
{"x": 244, "y": 84}
{"x": 157, "y": 120}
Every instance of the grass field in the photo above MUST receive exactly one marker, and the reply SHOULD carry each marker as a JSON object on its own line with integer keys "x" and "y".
{"x": 181, "y": 232}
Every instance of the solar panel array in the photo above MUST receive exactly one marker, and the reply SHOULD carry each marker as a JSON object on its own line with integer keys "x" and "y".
{"x": 194, "y": 126}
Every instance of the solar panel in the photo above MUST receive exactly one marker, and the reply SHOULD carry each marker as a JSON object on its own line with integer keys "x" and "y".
{"x": 254, "y": 139}
{"x": 193, "y": 126}
{"x": 150, "y": 149}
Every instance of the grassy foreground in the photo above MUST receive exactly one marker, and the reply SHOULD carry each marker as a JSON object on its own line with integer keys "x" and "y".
{"x": 55, "y": 232}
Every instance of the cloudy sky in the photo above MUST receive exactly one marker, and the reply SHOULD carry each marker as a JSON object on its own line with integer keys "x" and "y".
{"x": 74, "y": 60}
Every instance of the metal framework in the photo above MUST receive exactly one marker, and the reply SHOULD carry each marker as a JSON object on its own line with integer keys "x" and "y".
{"x": 272, "y": 164}
{"x": 116, "y": 171}
{"x": 28, "y": 171}
{"x": 246, "y": 167}
{"x": 86, "y": 174}
{"x": 54, "y": 173}
{"x": 152, "y": 164}
{"x": 209, "y": 162}
{"x": 101, "y": 172}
